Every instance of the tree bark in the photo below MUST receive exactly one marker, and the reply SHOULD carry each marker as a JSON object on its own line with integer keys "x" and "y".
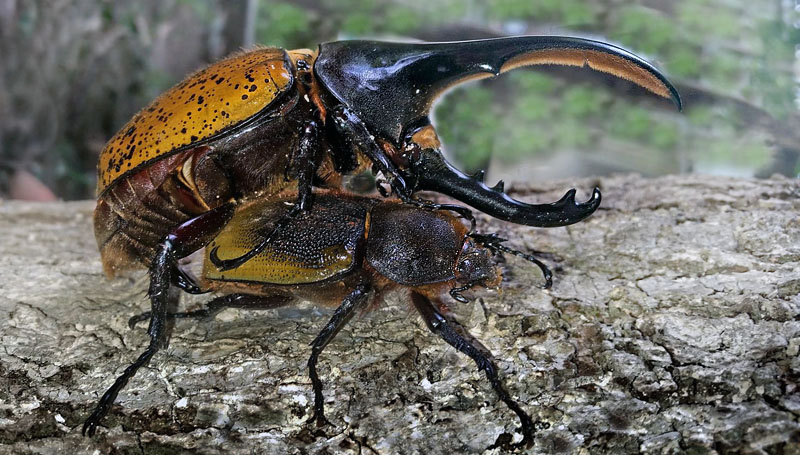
{"x": 672, "y": 327}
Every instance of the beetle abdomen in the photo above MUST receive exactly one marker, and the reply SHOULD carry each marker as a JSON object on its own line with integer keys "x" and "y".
{"x": 315, "y": 246}
{"x": 211, "y": 101}
{"x": 134, "y": 215}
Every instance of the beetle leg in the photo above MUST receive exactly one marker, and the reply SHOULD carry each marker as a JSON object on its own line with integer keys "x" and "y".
{"x": 182, "y": 241}
{"x": 455, "y": 293}
{"x": 159, "y": 297}
{"x": 305, "y": 161}
{"x": 348, "y": 123}
{"x": 217, "y": 305}
{"x": 185, "y": 282}
{"x": 446, "y": 329}
{"x": 353, "y": 302}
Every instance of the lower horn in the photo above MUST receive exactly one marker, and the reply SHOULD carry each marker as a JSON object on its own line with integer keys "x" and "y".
{"x": 434, "y": 173}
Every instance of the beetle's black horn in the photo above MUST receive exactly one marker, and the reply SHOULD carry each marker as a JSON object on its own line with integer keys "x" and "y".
{"x": 434, "y": 173}
{"x": 392, "y": 85}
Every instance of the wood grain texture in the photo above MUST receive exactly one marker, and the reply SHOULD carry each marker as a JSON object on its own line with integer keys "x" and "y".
{"x": 672, "y": 327}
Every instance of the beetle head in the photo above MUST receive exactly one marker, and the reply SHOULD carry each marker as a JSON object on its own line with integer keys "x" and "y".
{"x": 391, "y": 87}
{"x": 475, "y": 266}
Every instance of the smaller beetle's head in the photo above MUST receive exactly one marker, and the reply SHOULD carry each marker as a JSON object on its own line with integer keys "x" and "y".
{"x": 476, "y": 267}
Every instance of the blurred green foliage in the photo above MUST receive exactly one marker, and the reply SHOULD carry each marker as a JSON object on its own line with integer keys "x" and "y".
{"x": 530, "y": 115}
{"x": 283, "y": 23}
{"x": 104, "y": 60}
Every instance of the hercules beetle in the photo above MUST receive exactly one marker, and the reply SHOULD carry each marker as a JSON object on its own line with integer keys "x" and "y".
{"x": 349, "y": 251}
{"x": 260, "y": 121}
{"x": 252, "y": 125}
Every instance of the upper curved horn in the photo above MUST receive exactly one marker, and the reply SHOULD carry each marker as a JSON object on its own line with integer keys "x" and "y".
{"x": 392, "y": 85}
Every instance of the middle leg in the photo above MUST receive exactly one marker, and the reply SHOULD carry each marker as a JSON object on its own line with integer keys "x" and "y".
{"x": 355, "y": 301}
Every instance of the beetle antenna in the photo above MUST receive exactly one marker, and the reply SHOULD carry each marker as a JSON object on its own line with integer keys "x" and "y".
{"x": 494, "y": 243}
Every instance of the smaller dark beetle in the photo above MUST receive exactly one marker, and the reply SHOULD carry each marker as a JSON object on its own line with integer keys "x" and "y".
{"x": 350, "y": 251}
{"x": 267, "y": 120}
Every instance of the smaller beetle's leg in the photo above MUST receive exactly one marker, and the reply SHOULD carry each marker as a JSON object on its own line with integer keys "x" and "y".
{"x": 348, "y": 123}
{"x": 217, "y": 305}
{"x": 182, "y": 241}
{"x": 455, "y": 293}
{"x": 439, "y": 325}
{"x": 355, "y": 301}
{"x": 306, "y": 165}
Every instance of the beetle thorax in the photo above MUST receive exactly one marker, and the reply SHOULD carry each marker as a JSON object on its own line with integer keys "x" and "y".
{"x": 413, "y": 246}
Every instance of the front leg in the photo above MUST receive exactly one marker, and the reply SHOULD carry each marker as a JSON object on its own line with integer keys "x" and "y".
{"x": 305, "y": 163}
{"x": 182, "y": 241}
{"x": 353, "y": 129}
{"x": 439, "y": 325}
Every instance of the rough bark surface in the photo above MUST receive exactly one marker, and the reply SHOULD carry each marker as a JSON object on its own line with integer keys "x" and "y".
{"x": 672, "y": 327}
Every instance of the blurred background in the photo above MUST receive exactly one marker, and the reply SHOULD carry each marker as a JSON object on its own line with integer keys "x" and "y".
{"x": 72, "y": 72}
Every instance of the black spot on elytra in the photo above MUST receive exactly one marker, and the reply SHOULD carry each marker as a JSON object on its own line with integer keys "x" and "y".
{"x": 193, "y": 138}
{"x": 244, "y": 97}
{"x": 219, "y": 81}
{"x": 200, "y": 99}
{"x": 183, "y": 130}
{"x": 253, "y": 88}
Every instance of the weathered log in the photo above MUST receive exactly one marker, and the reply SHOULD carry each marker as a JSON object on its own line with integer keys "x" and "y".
{"x": 672, "y": 327}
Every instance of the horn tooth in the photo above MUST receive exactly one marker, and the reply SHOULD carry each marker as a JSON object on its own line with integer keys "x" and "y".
{"x": 479, "y": 176}
{"x": 595, "y": 199}
{"x": 500, "y": 186}
{"x": 569, "y": 198}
